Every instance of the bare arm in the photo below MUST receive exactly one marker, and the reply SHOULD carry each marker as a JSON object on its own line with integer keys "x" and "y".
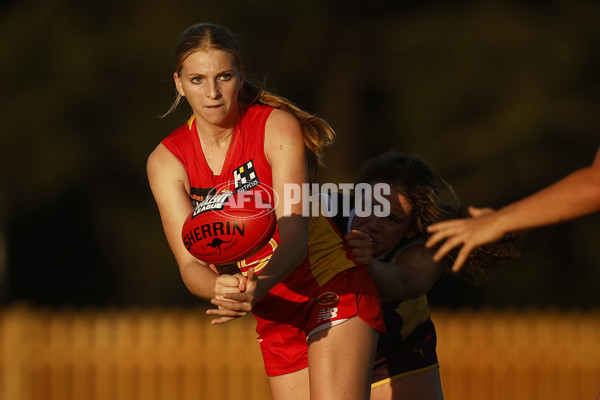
{"x": 284, "y": 148}
{"x": 170, "y": 187}
{"x": 576, "y": 195}
{"x": 412, "y": 274}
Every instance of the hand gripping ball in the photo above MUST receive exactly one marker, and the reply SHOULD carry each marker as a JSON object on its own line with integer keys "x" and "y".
{"x": 228, "y": 227}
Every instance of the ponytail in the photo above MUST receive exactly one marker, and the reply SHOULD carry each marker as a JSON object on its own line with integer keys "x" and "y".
{"x": 317, "y": 133}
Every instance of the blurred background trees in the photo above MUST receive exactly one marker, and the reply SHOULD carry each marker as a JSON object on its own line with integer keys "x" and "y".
{"x": 500, "y": 97}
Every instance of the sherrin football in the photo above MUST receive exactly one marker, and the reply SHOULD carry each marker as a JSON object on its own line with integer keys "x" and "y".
{"x": 228, "y": 227}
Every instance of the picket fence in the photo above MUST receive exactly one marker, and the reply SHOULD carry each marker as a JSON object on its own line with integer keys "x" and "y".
{"x": 166, "y": 354}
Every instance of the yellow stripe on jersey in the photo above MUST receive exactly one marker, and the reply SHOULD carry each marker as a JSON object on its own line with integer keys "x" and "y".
{"x": 326, "y": 255}
{"x": 191, "y": 121}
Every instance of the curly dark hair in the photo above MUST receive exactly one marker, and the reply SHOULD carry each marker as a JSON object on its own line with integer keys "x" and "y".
{"x": 415, "y": 180}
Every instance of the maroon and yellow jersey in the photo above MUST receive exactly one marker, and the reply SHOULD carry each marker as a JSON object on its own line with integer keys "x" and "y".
{"x": 246, "y": 168}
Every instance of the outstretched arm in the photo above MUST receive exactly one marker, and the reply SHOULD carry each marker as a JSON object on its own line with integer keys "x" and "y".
{"x": 412, "y": 274}
{"x": 576, "y": 195}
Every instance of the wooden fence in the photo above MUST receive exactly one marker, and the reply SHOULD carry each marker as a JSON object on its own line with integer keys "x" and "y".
{"x": 526, "y": 355}
{"x": 176, "y": 354}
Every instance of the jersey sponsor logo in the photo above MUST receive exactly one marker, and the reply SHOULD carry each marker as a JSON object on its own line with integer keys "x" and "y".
{"x": 212, "y": 203}
{"x": 244, "y": 177}
{"x": 199, "y": 195}
{"x": 327, "y": 314}
{"x": 328, "y": 298}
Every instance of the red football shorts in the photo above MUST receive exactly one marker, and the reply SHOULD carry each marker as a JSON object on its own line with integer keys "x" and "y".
{"x": 286, "y": 318}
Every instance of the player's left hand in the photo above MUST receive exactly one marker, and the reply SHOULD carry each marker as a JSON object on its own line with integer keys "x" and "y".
{"x": 233, "y": 303}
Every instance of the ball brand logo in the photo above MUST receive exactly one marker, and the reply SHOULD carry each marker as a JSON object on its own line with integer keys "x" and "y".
{"x": 213, "y": 230}
{"x": 217, "y": 242}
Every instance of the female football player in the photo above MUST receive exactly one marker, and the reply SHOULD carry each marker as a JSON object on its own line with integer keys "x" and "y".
{"x": 318, "y": 314}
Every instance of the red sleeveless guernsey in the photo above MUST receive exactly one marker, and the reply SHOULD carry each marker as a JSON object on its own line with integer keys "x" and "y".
{"x": 247, "y": 168}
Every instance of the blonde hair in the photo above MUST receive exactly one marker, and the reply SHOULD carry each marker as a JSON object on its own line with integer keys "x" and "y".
{"x": 317, "y": 133}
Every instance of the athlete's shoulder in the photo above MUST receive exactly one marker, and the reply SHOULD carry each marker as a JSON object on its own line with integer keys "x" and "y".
{"x": 282, "y": 125}
{"x": 280, "y": 116}
{"x": 163, "y": 168}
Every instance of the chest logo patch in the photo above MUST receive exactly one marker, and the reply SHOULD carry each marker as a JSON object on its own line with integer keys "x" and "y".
{"x": 244, "y": 177}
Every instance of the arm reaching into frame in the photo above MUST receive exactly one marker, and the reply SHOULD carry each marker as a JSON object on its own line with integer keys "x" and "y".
{"x": 574, "y": 196}
{"x": 411, "y": 274}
